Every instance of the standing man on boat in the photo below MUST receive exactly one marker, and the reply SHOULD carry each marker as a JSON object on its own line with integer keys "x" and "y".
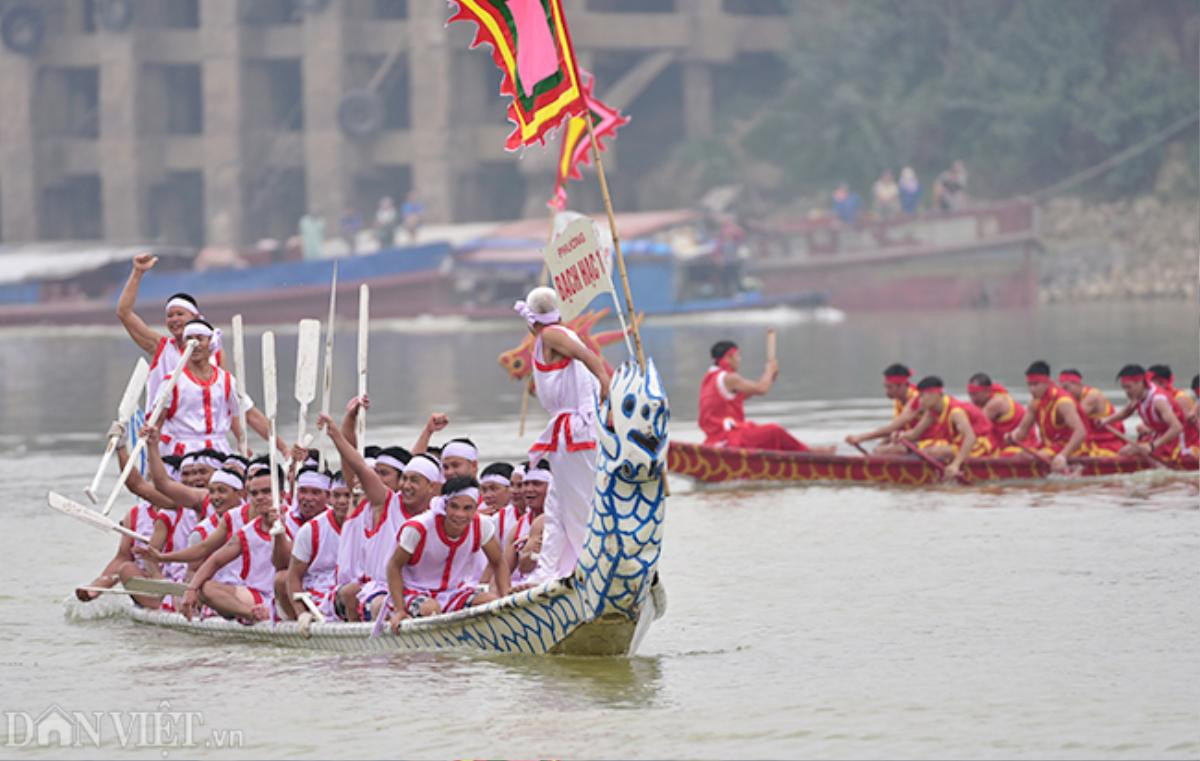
{"x": 568, "y": 378}
{"x": 1160, "y": 414}
{"x": 897, "y": 386}
{"x": 164, "y": 351}
{"x": 204, "y": 402}
{"x": 949, "y": 429}
{"x": 722, "y": 406}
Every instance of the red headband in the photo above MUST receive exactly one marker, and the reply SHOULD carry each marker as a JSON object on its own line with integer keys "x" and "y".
{"x": 1135, "y": 376}
{"x": 896, "y": 378}
{"x": 974, "y": 388}
{"x": 935, "y": 389}
{"x": 1064, "y": 377}
{"x": 1037, "y": 378}
{"x": 727, "y": 352}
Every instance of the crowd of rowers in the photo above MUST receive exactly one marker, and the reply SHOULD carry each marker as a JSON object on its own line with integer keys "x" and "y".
{"x": 396, "y": 533}
{"x": 1063, "y": 419}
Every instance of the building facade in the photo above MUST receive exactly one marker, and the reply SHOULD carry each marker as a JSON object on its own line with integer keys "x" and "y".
{"x": 217, "y": 122}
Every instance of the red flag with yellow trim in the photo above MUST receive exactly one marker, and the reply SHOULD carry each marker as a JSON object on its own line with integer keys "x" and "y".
{"x": 532, "y": 46}
{"x": 576, "y": 147}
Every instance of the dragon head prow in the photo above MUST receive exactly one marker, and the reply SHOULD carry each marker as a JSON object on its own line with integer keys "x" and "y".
{"x": 635, "y": 448}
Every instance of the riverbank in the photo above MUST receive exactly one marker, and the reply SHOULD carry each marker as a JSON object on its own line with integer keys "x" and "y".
{"x": 1140, "y": 248}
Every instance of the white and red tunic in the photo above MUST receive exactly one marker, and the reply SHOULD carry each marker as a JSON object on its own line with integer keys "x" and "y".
{"x": 567, "y": 390}
{"x": 509, "y": 524}
{"x": 233, "y": 519}
{"x": 720, "y": 410}
{"x": 367, "y": 545}
{"x": 199, "y": 413}
{"x": 316, "y": 544}
{"x": 255, "y": 570}
{"x": 166, "y": 357}
{"x": 441, "y": 567}
{"x": 293, "y": 519}
{"x": 1158, "y": 425}
{"x": 141, "y": 519}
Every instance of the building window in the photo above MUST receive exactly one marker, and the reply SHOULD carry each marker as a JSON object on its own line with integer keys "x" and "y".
{"x": 275, "y": 95}
{"x": 391, "y": 9}
{"x": 68, "y": 102}
{"x": 270, "y": 12}
{"x": 72, "y": 209}
{"x": 754, "y": 7}
{"x": 184, "y": 102}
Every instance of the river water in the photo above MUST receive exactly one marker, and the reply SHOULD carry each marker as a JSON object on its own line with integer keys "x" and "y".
{"x": 1054, "y": 620}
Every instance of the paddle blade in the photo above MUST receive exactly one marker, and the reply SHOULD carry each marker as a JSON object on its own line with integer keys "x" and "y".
{"x": 239, "y": 354}
{"x": 133, "y": 389}
{"x": 70, "y": 507}
{"x": 308, "y": 351}
{"x": 155, "y": 586}
{"x": 364, "y": 327}
{"x": 327, "y": 385}
{"x": 270, "y": 402}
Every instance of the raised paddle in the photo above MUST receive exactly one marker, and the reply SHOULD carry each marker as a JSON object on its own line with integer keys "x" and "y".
{"x": 70, "y": 507}
{"x": 771, "y": 342}
{"x": 327, "y": 385}
{"x": 1150, "y": 456}
{"x": 271, "y": 410}
{"x": 164, "y": 393}
{"x": 938, "y": 465}
{"x": 239, "y": 371}
{"x": 307, "y": 348}
{"x": 125, "y": 410}
{"x": 364, "y": 327}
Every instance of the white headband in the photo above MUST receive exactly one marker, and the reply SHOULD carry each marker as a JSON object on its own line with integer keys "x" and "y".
{"x": 182, "y": 304}
{"x": 338, "y": 482}
{"x": 391, "y": 462}
{"x": 425, "y": 467}
{"x": 519, "y": 470}
{"x": 227, "y": 478}
{"x": 537, "y": 474}
{"x": 313, "y": 480}
{"x": 195, "y": 458}
{"x": 495, "y": 478}
{"x": 470, "y": 491}
{"x": 370, "y": 461}
{"x": 460, "y": 449}
{"x": 534, "y": 318}
{"x": 197, "y": 329}
{"x": 172, "y": 472}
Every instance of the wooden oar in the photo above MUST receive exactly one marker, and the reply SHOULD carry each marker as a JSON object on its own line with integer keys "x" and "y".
{"x": 771, "y": 344}
{"x": 164, "y": 393}
{"x": 158, "y": 587}
{"x": 327, "y": 385}
{"x": 239, "y": 370}
{"x": 271, "y": 409}
{"x": 860, "y": 448}
{"x": 364, "y": 327}
{"x": 70, "y": 507}
{"x": 1150, "y": 456}
{"x": 125, "y": 409}
{"x": 938, "y": 465}
{"x": 307, "y": 349}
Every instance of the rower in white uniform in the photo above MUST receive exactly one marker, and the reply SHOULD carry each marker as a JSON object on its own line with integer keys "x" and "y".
{"x": 204, "y": 402}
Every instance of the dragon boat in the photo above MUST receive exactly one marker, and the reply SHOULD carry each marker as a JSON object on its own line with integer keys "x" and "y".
{"x": 720, "y": 464}
{"x": 603, "y": 608}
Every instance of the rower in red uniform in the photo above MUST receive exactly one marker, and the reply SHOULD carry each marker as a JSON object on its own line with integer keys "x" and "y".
{"x": 897, "y": 386}
{"x": 1095, "y": 406}
{"x": 949, "y": 429}
{"x": 1161, "y": 376}
{"x": 1167, "y": 439}
{"x": 722, "y": 416}
{"x": 1004, "y": 412}
{"x": 1059, "y": 419}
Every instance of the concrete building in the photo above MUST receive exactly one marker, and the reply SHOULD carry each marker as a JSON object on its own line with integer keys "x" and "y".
{"x": 221, "y": 122}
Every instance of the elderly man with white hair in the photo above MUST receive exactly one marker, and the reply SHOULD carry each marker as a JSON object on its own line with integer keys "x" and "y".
{"x": 567, "y": 376}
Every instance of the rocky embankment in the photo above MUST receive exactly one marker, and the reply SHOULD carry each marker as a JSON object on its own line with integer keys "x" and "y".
{"x": 1135, "y": 249}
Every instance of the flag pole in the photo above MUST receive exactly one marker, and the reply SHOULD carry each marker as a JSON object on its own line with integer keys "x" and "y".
{"x": 612, "y": 226}
{"x": 542, "y": 280}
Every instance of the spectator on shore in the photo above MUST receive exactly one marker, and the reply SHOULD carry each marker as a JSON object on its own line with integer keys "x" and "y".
{"x": 950, "y": 189}
{"x": 385, "y": 223}
{"x": 887, "y": 196}
{"x": 411, "y": 211}
{"x": 910, "y": 190}
{"x": 351, "y": 224}
{"x": 846, "y": 203}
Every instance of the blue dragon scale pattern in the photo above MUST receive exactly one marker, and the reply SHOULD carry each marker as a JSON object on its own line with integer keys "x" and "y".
{"x": 603, "y": 608}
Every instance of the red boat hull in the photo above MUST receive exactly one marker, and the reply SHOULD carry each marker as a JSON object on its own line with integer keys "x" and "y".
{"x": 718, "y": 464}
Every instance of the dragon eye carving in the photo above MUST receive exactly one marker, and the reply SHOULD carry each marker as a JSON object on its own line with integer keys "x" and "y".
{"x": 627, "y": 405}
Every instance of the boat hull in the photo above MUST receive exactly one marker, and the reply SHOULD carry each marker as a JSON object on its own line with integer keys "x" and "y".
{"x": 554, "y": 618}
{"x": 720, "y": 464}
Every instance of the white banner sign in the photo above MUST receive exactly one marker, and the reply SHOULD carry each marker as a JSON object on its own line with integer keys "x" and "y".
{"x": 579, "y": 268}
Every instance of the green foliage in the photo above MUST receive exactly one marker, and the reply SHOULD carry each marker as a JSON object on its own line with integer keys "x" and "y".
{"x": 1027, "y": 92}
